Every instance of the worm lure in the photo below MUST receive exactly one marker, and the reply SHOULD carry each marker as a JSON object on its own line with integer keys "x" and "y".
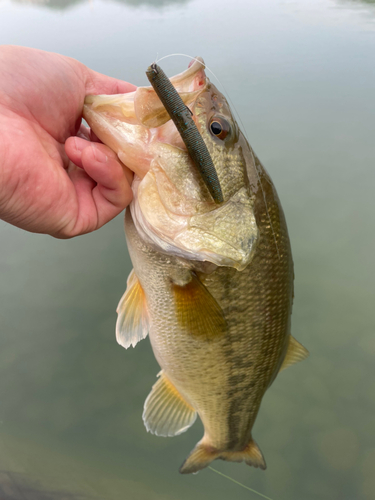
{"x": 182, "y": 117}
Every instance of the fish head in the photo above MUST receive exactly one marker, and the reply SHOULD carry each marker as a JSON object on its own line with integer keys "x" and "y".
{"x": 172, "y": 208}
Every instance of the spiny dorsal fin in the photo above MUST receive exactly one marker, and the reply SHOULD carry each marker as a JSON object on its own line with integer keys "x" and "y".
{"x": 296, "y": 352}
{"x": 166, "y": 413}
{"x": 132, "y": 320}
{"x": 197, "y": 311}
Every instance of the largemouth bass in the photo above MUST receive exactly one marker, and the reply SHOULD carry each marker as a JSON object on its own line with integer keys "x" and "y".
{"x": 212, "y": 283}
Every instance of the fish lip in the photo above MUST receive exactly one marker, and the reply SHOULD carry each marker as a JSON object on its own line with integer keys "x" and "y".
{"x": 184, "y": 82}
{"x": 197, "y": 65}
{"x": 178, "y": 80}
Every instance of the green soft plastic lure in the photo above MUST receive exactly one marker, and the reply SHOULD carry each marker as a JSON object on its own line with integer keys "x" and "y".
{"x": 182, "y": 117}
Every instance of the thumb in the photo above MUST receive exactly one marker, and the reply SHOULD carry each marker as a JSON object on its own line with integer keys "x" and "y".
{"x": 97, "y": 83}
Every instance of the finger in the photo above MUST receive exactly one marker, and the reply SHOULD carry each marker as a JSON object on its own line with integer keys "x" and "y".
{"x": 102, "y": 191}
{"x": 86, "y": 217}
{"x": 74, "y": 147}
{"x": 101, "y": 187}
{"x": 112, "y": 192}
{"x": 97, "y": 83}
{"x": 94, "y": 155}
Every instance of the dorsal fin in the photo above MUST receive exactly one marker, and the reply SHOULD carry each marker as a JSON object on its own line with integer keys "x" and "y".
{"x": 132, "y": 322}
{"x": 197, "y": 310}
{"x": 295, "y": 353}
{"x": 166, "y": 413}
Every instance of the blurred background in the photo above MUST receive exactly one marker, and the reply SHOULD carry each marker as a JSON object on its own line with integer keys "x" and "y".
{"x": 302, "y": 75}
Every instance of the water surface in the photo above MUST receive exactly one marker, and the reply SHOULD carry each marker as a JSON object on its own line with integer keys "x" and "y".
{"x": 302, "y": 76}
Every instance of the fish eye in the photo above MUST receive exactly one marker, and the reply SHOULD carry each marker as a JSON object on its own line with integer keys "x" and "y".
{"x": 219, "y": 127}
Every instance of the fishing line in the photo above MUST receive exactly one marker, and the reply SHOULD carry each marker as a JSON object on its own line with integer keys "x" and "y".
{"x": 245, "y": 134}
{"x": 217, "y": 78}
{"x": 240, "y": 484}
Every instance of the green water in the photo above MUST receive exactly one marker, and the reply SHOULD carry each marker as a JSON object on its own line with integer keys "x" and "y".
{"x": 302, "y": 76}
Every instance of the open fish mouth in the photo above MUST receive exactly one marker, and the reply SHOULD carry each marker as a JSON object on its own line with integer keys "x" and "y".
{"x": 130, "y": 124}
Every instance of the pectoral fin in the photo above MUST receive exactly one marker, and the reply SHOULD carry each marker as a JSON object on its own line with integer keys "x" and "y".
{"x": 132, "y": 320}
{"x": 295, "y": 353}
{"x": 166, "y": 413}
{"x": 197, "y": 311}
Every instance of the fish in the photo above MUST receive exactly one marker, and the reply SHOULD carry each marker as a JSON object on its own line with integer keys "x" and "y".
{"x": 212, "y": 283}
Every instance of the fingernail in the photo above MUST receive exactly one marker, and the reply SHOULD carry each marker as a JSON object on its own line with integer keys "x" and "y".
{"x": 99, "y": 155}
{"x": 79, "y": 145}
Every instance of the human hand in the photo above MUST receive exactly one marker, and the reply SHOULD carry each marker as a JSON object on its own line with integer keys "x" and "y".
{"x": 44, "y": 186}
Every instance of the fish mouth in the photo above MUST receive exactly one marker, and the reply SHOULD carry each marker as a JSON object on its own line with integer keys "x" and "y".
{"x": 143, "y": 106}
{"x": 132, "y": 124}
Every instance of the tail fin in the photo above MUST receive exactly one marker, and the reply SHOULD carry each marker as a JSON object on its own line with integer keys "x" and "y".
{"x": 199, "y": 458}
{"x": 203, "y": 455}
{"x": 251, "y": 455}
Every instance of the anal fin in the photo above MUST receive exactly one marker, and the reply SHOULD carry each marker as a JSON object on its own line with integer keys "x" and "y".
{"x": 132, "y": 321}
{"x": 295, "y": 353}
{"x": 166, "y": 413}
